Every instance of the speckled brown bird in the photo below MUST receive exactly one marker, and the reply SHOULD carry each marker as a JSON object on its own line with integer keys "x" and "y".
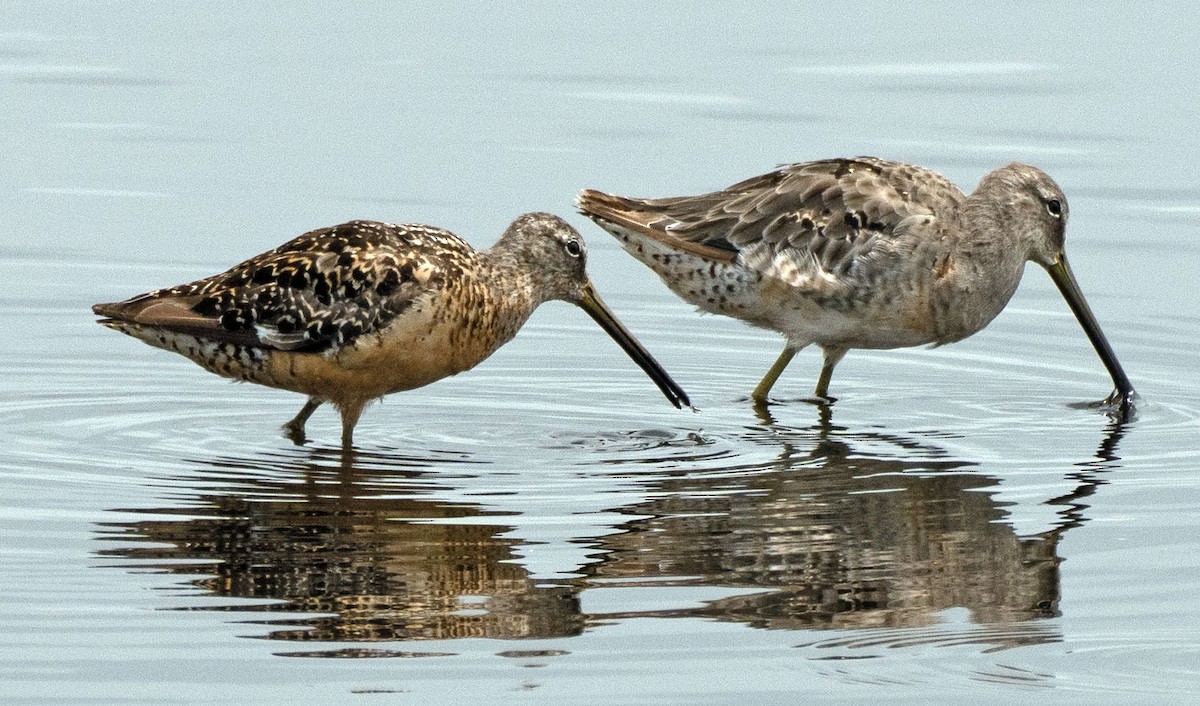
{"x": 353, "y": 312}
{"x": 857, "y": 253}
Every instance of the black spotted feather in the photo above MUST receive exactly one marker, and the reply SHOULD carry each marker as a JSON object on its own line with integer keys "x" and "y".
{"x": 842, "y": 217}
{"x": 321, "y": 290}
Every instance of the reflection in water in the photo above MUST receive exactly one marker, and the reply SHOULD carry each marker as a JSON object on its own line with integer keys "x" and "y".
{"x": 357, "y": 543}
{"x": 848, "y": 539}
{"x": 840, "y": 529}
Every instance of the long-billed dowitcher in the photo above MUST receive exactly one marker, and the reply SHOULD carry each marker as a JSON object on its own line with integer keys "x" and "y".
{"x": 353, "y": 312}
{"x": 857, "y": 253}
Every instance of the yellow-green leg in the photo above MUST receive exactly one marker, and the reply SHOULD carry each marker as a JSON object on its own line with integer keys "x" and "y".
{"x": 764, "y": 386}
{"x": 832, "y": 356}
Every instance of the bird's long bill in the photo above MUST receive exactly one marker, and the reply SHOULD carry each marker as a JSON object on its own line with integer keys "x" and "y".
{"x": 590, "y": 302}
{"x": 1061, "y": 273}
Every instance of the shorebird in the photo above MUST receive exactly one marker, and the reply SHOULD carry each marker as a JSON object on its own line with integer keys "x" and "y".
{"x": 353, "y": 312}
{"x": 857, "y": 253}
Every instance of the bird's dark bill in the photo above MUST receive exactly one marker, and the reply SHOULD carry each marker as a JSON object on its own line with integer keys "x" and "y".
{"x": 1121, "y": 400}
{"x": 595, "y": 307}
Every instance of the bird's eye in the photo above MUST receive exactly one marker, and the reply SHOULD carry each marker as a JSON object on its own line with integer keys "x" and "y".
{"x": 573, "y": 248}
{"x": 1054, "y": 207}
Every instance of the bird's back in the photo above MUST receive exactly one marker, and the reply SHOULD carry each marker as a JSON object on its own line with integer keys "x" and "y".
{"x": 320, "y": 290}
{"x": 816, "y": 249}
{"x": 318, "y": 296}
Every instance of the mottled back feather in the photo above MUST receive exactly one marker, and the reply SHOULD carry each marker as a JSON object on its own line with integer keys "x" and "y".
{"x": 836, "y": 223}
{"x": 322, "y": 289}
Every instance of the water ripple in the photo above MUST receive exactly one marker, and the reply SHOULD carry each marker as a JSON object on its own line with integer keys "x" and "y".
{"x": 512, "y": 504}
{"x": 78, "y": 75}
{"x": 992, "y": 638}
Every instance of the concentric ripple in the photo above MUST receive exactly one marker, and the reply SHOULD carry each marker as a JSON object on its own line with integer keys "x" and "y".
{"x": 555, "y": 497}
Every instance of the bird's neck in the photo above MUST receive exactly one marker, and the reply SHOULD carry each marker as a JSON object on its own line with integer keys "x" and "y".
{"x": 986, "y": 239}
{"x": 984, "y": 266}
{"x": 508, "y": 292}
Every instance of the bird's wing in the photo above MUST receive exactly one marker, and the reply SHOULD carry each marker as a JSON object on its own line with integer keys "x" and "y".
{"x": 318, "y": 291}
{"x": 816, "y": 226}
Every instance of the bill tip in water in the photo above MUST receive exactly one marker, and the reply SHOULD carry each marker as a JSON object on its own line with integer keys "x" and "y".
{"x": 1118, "y": 405}
{"x": 682, "y": 402}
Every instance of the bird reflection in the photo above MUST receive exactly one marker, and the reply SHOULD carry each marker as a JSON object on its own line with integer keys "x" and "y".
{"x": 849, "y": 539}
{"x": 360, "y": 544}
{"x": 838, "y": 529}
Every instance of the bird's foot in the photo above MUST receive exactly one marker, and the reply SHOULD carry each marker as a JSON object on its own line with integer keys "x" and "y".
{"x": 818, "y": 400}
{"x": 295, "y": 432}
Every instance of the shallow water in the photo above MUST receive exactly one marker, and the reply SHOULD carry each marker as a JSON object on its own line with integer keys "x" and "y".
{"x": 546, "y": 527}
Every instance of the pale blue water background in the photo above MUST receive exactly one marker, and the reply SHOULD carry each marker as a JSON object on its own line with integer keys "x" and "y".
{"x": 546, "y": 528}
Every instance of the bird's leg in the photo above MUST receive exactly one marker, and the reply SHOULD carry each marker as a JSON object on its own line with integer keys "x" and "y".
{"x": 832, "y": 355}
{"x": 350, "y": 414}
{"x": 764, "y": 386}
{"x": 294, "y": 429}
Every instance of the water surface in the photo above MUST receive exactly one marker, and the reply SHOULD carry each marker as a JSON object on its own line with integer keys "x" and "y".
{"x": 546, "y": 527}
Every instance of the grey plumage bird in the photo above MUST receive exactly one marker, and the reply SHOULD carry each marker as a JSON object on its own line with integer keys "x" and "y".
{"x": 857, "y": 253}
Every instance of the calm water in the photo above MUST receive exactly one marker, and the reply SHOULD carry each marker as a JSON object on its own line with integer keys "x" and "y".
{"x": 546, "y": 528}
